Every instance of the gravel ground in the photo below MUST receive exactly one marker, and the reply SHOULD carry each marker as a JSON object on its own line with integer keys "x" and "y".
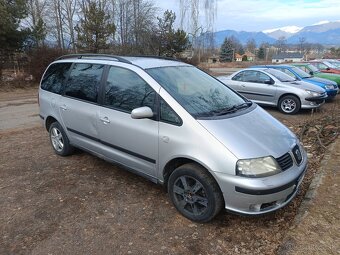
{"x": 84, "y": 205}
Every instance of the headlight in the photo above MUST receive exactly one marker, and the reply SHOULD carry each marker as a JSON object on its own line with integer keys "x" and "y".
{"x": 257, "y": 167}
{"x": 313, "y": 93}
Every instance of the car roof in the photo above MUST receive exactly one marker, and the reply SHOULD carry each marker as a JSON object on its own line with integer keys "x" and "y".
{"x": 144, "y": 62}
{"x": 261, "y": 68}
{"x": 271, "y": 66}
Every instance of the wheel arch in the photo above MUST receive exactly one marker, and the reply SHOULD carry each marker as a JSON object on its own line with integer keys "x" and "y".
{"x": 288, "y": 94}
{"x": 179, "y": 161}
{"x": 48, "y": 122}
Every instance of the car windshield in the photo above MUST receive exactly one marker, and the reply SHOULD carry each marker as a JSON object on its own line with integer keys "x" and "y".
{"x": 329, "y": 65}
{"x": 313, "y": 68}
{"x": 199, "y": 93}
{"x": 336, "y": 64}
{"x": 281, "y": 76}
{"x": 301, "y": 73}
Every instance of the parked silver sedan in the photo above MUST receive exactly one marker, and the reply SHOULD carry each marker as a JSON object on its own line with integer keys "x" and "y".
{"x": 272, "y": 87}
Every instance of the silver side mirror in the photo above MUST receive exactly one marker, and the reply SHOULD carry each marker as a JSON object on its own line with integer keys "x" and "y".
{"x": 142, "y": 113}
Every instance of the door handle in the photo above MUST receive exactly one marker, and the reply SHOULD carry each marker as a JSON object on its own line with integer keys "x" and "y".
{"x": 105, "y": 120}
{"x": 243, "y": 86}
{"x": 63, "y": 107}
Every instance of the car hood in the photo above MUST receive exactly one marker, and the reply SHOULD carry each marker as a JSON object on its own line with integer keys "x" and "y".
{"x": 320, "y": 81}
{"x": 305, "y": 85}
{"x": 252, "y": 135}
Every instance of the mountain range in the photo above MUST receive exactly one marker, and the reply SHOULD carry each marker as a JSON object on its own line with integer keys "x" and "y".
{"x": 324, "y": 32}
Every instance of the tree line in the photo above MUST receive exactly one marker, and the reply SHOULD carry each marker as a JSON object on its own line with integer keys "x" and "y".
{"x": 264, "y": 51}
{"x": 114, "y": 26}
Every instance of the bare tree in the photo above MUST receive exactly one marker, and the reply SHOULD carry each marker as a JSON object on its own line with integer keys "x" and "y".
{"x": 36, "y": 20}
{"x": 251, "y": 45}
{"x": 69, "y": 8}
{"x": 302, "y": 44}
{"x": 136, "y": 20}
{"x": 189, "y": 20}
{"x": 281, "y": 44}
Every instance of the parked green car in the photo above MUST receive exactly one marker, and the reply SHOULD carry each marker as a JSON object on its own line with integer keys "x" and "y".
{"x": 312, "y": 70}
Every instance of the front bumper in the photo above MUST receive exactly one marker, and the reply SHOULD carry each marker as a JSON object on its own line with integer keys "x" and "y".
{"x": 318, "y": 99}
{"x": 255, "y": 196}
{"x": 332, "y": 92}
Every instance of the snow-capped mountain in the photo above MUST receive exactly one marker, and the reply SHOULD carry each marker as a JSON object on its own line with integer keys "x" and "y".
{"x": 287, "y": 29}
{"x": 323, "y": 32}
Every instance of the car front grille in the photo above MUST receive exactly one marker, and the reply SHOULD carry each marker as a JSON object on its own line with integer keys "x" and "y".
{"x": 285, "y": 161}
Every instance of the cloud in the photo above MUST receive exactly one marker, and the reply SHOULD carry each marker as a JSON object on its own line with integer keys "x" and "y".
{"x": 256, "y": 15}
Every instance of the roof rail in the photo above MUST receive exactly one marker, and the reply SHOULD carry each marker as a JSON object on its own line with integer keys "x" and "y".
{"x": 155, "y": 56}
{"x": 90, "y": 55}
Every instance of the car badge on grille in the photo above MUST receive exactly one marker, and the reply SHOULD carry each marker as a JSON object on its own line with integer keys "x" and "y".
{"x": 297, "y": 154}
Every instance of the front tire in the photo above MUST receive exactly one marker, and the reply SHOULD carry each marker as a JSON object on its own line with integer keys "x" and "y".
{"x": 289, "y": 104}
{"x": 194, "y": 193}
{"x": 59, "y": 140}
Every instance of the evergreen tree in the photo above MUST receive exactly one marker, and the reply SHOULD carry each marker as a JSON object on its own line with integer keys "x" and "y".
{"x": 170, "y": 41}
{"x": 11, "y": 37}
{"x": 261, "y": 53}
{"x": 227, "y": 50}
{"x": 38, "y": 33}
{"x": 95, "y": 29}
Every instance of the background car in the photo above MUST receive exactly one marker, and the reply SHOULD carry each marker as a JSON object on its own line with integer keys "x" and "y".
{"x": 325, "y": 66}
{"x": 334, "y": 62}
{"x": 330, "y": 86}
{"x": 274, "y": 88}
{"x": 313, "y": 70}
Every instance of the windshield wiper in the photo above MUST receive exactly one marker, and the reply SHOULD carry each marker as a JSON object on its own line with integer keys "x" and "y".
{"x": 233, "y": 108}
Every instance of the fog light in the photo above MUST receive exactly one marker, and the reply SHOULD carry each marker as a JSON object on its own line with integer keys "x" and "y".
{"x": 255, "y": 207}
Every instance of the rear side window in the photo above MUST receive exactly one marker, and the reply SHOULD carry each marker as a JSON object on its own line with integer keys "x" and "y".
{"x": 84, "y": 81}
{"x": 125, "y": 90}
{"x": 238, "y": 77}
{"x": 54, "y": 77}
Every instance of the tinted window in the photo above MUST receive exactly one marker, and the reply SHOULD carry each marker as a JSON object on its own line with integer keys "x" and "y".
{"x": 255, "y": 77}
{"x": 54, "y": 77}
{"x": 168, "y": 115}
{"x": 238, "y": 77}
{"x": 125, "y": 90}
{"x": 84, "y": 82}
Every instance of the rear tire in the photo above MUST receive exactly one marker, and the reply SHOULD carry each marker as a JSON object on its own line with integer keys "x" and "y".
{"x": 289, "y": 104}
{"x": 59, "y": 140}
{"x": 194, "y": 193}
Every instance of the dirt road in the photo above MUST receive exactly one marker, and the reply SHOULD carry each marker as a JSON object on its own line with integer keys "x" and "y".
{"x": 18, "y": 109}
{"x": 84, "y": 205}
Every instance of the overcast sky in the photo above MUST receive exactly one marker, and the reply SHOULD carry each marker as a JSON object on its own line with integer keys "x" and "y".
{"x": 258, "y": 15}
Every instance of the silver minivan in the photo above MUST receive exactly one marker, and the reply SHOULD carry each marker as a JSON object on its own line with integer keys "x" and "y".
{"x": 175, "y": 125}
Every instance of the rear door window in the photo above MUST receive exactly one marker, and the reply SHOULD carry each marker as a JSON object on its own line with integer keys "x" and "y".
{"x": 125, "y": 90}
{"x": 54, "y": 77}
{"x": 84, "y": 81}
